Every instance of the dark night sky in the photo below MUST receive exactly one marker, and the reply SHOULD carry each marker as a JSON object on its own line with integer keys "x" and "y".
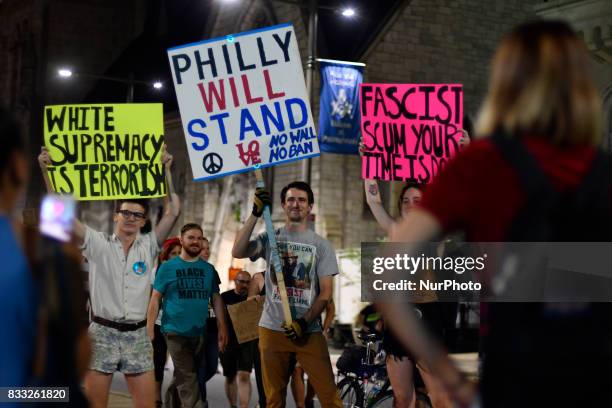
{"x": 338, "y": 38}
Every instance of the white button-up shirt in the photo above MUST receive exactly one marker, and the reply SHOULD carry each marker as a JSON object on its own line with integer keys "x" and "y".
{"x": 120, "y": 286}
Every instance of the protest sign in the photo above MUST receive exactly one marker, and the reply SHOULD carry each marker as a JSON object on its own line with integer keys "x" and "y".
{"x": 104, "y": 152}
{"x": 245, "y": 319}
{"x": 339, "y": 118}
{"x": 409, "y": 130}
{"x": 243, "y": 101}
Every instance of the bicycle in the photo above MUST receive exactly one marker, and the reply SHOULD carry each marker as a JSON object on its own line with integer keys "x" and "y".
{"x": 368, "y": 386}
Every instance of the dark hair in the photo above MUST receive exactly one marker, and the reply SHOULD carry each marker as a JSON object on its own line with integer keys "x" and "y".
{"x": 418, "y": 186}
{"x": 300, "y": 185}
{"x": 141, "y": 202}
{"x": 190, "y": 226}
{"x": 11, "y": 140}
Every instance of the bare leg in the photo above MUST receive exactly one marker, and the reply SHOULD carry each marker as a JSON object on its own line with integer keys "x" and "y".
{"x": 297, "y": 386}
{"x": 402, "y": 381}
{"x": 142, "y": 389}
{"x": 435, "y": 390}
{"x": 244, "y": 388}
{"x": 230, "y": 390}
{"x": 97, "y": 386}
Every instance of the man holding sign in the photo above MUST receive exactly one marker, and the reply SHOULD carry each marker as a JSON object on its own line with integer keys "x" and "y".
{"x": 278, "y": 341}
{"x": 120, "y": 275}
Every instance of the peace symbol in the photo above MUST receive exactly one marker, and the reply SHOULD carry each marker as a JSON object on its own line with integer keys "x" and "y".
{"x": 212, "y": 163}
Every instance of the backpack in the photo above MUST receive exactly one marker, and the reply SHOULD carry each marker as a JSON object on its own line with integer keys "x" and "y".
{"x": 579, "y": 215}
{"x": 350, "y": 359}
{"x": 537, "y": 343}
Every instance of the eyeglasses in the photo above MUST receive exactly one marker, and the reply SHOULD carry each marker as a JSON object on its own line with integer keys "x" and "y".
{"x": 128, "y": 214}
{"x": 244, "y": 282}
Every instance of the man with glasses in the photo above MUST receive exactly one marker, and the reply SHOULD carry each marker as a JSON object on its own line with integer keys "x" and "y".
{"x": 120, "y": 277}
{"x": 237, "y": 360}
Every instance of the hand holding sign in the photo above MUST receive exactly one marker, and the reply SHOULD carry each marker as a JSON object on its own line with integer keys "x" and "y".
{"x": 167, "y": 158}
{"x": 44, "y": 159}
{"x": 262, "y": 199}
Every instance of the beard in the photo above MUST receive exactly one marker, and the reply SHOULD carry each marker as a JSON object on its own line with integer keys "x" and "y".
{"x": 295, "y": 216}
{"x": 192, "y": 252}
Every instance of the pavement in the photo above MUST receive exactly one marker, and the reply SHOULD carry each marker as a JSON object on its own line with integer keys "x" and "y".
{"x": 120, "y": 397}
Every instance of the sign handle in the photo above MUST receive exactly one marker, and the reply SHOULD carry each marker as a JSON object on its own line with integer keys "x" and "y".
{"x": 278, "y": 268}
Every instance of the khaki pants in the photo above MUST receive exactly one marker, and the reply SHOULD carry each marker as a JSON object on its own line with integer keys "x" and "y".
{"x": 311, "y": 352}
{"x": 185, "y": 353}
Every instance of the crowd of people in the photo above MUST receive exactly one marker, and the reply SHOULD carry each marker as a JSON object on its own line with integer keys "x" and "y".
{"x": 536, "y": 174}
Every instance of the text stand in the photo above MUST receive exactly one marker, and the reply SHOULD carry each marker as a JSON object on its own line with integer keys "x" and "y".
{"x": 278, "y": 269}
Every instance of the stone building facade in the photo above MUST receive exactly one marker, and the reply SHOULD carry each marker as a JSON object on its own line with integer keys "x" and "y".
{"x": 435, "y": 41}
{"x": 426, "y": 41}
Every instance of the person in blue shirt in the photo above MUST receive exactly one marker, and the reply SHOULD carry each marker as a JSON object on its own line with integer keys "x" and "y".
{"x": 17, "y": 286}
{"x": 184, "y": 285}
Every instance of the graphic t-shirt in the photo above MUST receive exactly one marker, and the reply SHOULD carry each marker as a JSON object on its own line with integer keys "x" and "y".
{"x": 305, "y": 257}
{"x": 230, "y": 297}
{"x": 186, "y": 288}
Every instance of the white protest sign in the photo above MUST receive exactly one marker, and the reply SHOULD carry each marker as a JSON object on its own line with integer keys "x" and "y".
{"x": 243, "y": 101}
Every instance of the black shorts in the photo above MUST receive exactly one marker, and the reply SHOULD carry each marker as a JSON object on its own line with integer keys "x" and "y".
{"x": 436, "y": 316}
{"x": 237, "y": 358}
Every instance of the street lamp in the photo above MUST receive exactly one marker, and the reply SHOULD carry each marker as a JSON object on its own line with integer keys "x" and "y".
{"x": 130, "y": 81}
{"x": 348, "y": 12}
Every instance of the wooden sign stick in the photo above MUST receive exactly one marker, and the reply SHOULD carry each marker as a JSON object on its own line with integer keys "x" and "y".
{"x": 274, "y": 255}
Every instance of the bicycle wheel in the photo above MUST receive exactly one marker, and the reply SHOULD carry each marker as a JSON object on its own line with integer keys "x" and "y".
{"x": 385, "y": 400}
{"x": 382, "y": 400}
{"x": 350, "y": 393}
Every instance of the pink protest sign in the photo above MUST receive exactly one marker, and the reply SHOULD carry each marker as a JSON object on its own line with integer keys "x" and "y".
{"x": 409, "y": 130}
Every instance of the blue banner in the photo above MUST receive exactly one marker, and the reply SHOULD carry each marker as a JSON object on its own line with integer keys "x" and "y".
{"x": 339, "y": 115}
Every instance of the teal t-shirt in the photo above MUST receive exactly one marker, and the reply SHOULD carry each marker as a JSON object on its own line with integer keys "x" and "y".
{"x": 186, "y": 288}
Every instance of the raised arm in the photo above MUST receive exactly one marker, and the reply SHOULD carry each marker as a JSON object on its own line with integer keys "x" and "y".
{"x": 257, "y": 282}
{"x": 373, "y": 199}
{"x": 172, "y": 205}
{"x": 243, "y": 247}
{"x": 375, "y": 203}
{"x": 44, "y": 160}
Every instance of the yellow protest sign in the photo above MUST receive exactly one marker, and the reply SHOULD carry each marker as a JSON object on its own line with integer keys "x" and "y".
{"x": 104, "y": 151}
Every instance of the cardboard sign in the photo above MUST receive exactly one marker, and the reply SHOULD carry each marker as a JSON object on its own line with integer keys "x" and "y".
{"x": 409, "y": 130}
{"x": 104, "y": 152}
{"x": 243, "y": 102}
{"x": 245, "y": 319}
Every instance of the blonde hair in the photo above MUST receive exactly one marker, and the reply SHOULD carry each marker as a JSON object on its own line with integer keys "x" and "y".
{"x": 540, "y": 86}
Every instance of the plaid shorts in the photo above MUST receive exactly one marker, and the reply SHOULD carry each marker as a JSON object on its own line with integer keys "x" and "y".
{"x": 130, "y": 352}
